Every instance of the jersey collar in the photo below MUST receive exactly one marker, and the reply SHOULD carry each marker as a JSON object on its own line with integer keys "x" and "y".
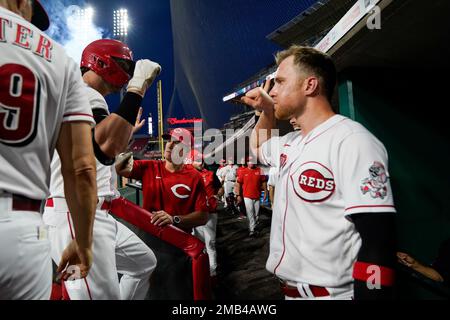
{"x": 323, "y": 127}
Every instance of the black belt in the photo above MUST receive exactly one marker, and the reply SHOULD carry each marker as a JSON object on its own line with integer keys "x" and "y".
{"x": 21, "y": 203}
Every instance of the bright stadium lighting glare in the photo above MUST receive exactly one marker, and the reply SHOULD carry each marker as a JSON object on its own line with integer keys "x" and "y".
{"x": 121, "y": 22}
{"x": 84, "y": 18}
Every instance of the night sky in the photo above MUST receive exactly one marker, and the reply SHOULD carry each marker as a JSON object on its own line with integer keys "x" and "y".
{"x": 204, "y": 47}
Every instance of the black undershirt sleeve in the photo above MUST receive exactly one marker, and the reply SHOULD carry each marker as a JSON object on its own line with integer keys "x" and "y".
{"x": 99, "y": 116}
{"x": 378, "y": 247}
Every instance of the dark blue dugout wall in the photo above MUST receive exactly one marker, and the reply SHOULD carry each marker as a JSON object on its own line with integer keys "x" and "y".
{"x": 405, "y": 110}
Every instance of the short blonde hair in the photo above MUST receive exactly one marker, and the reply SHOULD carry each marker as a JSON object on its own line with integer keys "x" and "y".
{"x": 312, "y": 62}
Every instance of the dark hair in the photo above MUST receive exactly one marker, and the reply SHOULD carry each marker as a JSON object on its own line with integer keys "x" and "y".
{"x": 313, "y": 62}
{"x": 84, "y": 70}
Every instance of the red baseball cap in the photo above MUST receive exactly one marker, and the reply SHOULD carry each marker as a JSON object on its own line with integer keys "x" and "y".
{"x": 40, "y": 17}
{"x": 196, "y": 156}
{"x": 180, "y": 134}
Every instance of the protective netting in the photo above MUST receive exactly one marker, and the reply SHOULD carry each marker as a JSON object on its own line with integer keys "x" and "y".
{"x": 218, "y": 44}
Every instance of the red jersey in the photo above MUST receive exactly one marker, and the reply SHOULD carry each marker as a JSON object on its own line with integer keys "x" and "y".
{"x": 239, "y": 171}
{"x": 177, "y": 193}
{"x": 208, "y": 179}
{"x": 251, "y": 181}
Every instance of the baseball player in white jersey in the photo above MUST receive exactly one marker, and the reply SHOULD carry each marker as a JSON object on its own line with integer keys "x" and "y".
{"x": 221, "y": 193}
{"x": 42, "y": 107}
{"x": 229, "y": 175}
{"x": 333, "y": 192}
{"x": 107, "y": 65}
{"x": 271, "y": 183}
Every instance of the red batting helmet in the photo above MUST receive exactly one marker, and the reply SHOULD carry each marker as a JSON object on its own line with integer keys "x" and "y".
{"x": 110, "y": 59}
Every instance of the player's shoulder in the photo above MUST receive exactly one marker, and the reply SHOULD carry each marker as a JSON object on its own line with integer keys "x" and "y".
{"x": 192, "y": 174}
{"x": 354, "y": 133}
{"x": 96, "y": 100}
{"x": 347, "y": 127}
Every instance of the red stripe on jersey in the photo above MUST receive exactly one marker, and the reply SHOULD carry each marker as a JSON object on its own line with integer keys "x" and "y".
{"x": 77, "y": 114}
{"x": 284, "y": 225}
{"x": 370, "y": 206}
{"x": 88, "y": 289}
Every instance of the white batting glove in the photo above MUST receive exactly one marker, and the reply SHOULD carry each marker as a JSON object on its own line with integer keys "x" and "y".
{"x": 144, "y": 74}
{"x": 124, "y": 162}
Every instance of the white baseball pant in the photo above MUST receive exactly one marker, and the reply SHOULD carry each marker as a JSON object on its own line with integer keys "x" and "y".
{"x": 116, "y": 249}
{"x": 26, "y": 266}
{"x": 207, "y": 234}
{"x": 252, "y": 210}
{"x": 340, "y": 293}
{"x": 228, "y": 187}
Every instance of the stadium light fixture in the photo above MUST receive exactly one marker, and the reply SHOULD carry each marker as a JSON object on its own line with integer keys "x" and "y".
{"x": 121, "y": 23}
{"x": 85, "y": 18}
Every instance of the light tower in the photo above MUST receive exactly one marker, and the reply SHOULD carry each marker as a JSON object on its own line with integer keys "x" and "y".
{"x": 84, "y": 19}
{"x": 121, "y": 24}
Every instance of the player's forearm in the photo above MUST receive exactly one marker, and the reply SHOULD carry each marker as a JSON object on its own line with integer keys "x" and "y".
{"x": 262, "y": 131}
{"x": 80, "y": 189}
{"x": 113, "y": 135}
{"x": 78, "y": 169}
{"x": 194, "y": 219}
{"x": 428, "y": 272}
{"x": 237, "y": 188}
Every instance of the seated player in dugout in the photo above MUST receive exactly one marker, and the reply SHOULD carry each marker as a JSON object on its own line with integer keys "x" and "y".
{"x": 333, "y": 185}
{"x": 173, "y": 192}
{"x": 175, "y": 195}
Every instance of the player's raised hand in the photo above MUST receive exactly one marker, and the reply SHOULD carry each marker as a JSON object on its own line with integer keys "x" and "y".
{"x": 139, "y": 123}
{"x": 144, "y": 74}
{"x": 406, "y": 259}
{"x": 124, "y": 163}
{"x": 259, "y": 98}
{"x": 161, "y": 218}
{"x": 75, "y": 262}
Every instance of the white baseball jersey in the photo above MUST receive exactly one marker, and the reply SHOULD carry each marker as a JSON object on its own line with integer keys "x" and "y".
{"x": 336, "y": 170}
{"x": 273, "y": 176}
{"x": 41, "y": 87}
{"x": 105, "y": 179}
{"x": 117, "y": 249}
{"x": 219, "y": 173}
{"x": 229, "y": 172}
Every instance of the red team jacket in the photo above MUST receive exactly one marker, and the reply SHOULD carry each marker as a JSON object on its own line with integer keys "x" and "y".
{"x": 251, "y": 181}
{"x": 177, "y": 193}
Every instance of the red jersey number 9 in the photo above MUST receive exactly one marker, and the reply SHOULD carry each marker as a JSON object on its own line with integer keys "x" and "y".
{"x": 19, "y": 105}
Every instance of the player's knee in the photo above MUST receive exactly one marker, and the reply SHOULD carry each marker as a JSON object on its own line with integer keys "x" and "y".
{"x": 150, "y": 263}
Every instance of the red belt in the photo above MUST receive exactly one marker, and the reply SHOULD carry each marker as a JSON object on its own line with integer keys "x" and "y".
{"x": 106, "y": 205}
{"x": 21, "y": 203}
{"x": 293, "y": 292}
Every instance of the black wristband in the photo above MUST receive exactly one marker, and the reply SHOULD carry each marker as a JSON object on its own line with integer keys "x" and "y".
{"x": 129, "y": 107}
{"x": 101, "y": 157}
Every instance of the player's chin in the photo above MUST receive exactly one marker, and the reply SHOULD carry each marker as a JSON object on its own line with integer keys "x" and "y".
{"x": 280, "y": 114}
{"x": 116, "y": 89}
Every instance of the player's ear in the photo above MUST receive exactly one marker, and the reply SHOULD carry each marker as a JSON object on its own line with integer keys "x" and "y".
{"x": 311, "y": 86}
